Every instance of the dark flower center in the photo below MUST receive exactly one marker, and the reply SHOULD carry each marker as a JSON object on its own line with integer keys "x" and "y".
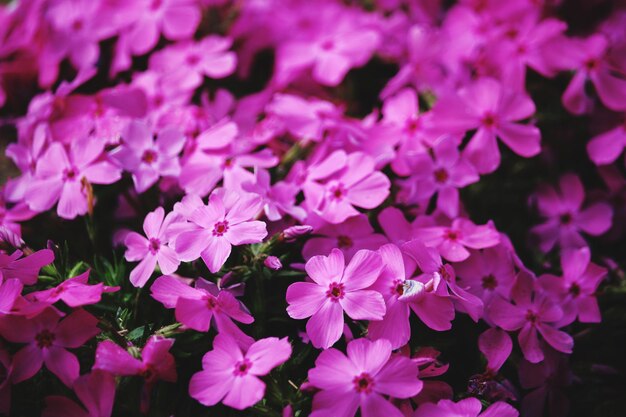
{"x": 398, "y": 287}
{"x": 566, "y": 218}
{"x": 344, "y": 242}
{"x": 531, "y": 316}
{"x": 154, "y": 245}
{"x": 242, "y": 367}
{"x": 70, "y": 174}
{"x": 193, "y": 59}
{"x": 490, "y": 282}
{"x": 220, "y": 228}
{"x": 363, "y": 383}
{"x": 489, "y": 120}
{"x": 335, "y": 291}
{"x": 211, "y": 303}
{"x": 149, "y": 156}
{"x": 591, "y": 64}
{"x": 148, "y": 373}
{"x": 337, "y": 192}
{"x": 451, "y": 234}
{"x": 44, "y": 339}
{"x": 574, "y": 289}
{"x": 327, "y": 45}
{"x": 441, "y": 175}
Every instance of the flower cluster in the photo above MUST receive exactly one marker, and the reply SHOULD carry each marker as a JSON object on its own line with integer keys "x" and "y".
{"x": 232, "y": 218}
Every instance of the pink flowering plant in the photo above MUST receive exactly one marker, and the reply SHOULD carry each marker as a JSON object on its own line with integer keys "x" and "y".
{"x": 329, "y": 208}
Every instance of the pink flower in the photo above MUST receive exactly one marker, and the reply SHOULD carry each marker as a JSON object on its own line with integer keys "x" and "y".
{"x": 278, "y": 199}
{"x": 148, "y": 159}
{"x": 353, "y": 184}
{"x": 606, "y": 147}
{"x": 403, "y": 293}
{"x": 225, "y": 221}
{"x": 152, "y": 250}
{"x": 336, "y": 288}
{"x": 230, "y": 375}
{"x": 47, "y": 340}
{"x": 156, "y": 363}
{"x": 362, "y": 379}
{"x": 352, "y": 235}
{"x": 565, "y": 216}
{"x": 592, "y": 61}
{"x": 60, "y": 176}
{"x": 487, "y": 272}
{"x": 469, "y": 407}
{"x": 25, "y": 269}
{"x": 10, "y": 291}
{"x": 452, "y": 242}
{"x": 443, "y": 175}
{"x": 575, "y": 290}
{"x": 429, "y": 262}
{"x": 531, "y": 312}
{"x": 176, "y": 19}
{"x": 496, "y": 345}
{"x": 209, "y": 57}
{"x": 96, "y": 392}
{"x": 494, "y": 110}
{"x": 197, "y": 307}
{"x": 75, "y": 292}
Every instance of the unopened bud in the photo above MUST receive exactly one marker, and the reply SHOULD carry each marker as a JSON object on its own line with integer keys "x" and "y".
{"x": 273, "y": 263}
{"x": 294, "y": 232}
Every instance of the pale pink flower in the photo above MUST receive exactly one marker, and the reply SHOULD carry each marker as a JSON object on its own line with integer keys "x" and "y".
{"x": 336, "y": 288}
{"x": 231, "y": 376}
{"x": 362, "y": 379}
{"x": 96, "y": 392}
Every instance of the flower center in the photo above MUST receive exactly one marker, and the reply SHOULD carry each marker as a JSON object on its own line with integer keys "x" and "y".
{"x": 566, "y": 218}
{"x": 591, "y": 64}
{"x": 489, "y": 120}
{"x": 44, "y": 339}
{"x": 149, "y": 157}
{"x": 220, "y": 228}
{"x": 148, "y": 373}
{"x": 335, "y": 291}
{"x": 328, "y": 44}
{"x": 77, "y": 25}
{"x": 363, "y": 383}
{"x": 531, "y": 316}
{"x": 154, "y": 245}
{"x": 344, "y": 242}
{"x": 193, "y": 59}
{"x": 242, "y": 367}
{"x": 397, "y": 288}
{"x": 574, "y": 289}
{"x": 337, "y": 192}
{"x": 412, "y": 124}
{"x": 451, "y": 234}
{"x": 211, "y": 303}
{"x": 441, "y": 175}
{"x": 490, "y": 282}
{"x": 70, "y": 174}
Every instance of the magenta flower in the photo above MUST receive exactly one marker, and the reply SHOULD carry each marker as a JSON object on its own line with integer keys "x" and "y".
{"x": 429, "y": 262}
{"x": 452, "y": 242}
{"x": 10, "y": 291}
{"x": 336, "y": 288}
{"x": 152, "y": 250}
{"x": 278, "y": 199}
{"x": 592, "y": 61}
{"x": 469, "y": 407}
{"x": 75, "y": 292}
{"x": 562, "y": 207}
{"x": 403, "y": 293}
{"x": 96, "y": 392}
{"x": 61, "y": 175}
{"x": 496, "y": 345}
{"x": 148, "y": 159}
{"x": 575, "y": 290}
{"x": 197, "y": 307}
{"x": 443, "y": 175}
{"x": 356, "y": 184}
{"x": 47, "y": 340}
{"x": 531, "y": 312}
{"x": 225, "y": 221}
{"x": 487, "y": 272}
{"x": 362, "y": 379}
{"x": 209, "y": 57}
{"x": 495, "y": 111}
{"x": 230, "y": 375}
{"x": 156, "y": 363}
{"x": 606, "y": 147}
{"x": 25, "y": 269}
{"x": 352, "y": 235}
